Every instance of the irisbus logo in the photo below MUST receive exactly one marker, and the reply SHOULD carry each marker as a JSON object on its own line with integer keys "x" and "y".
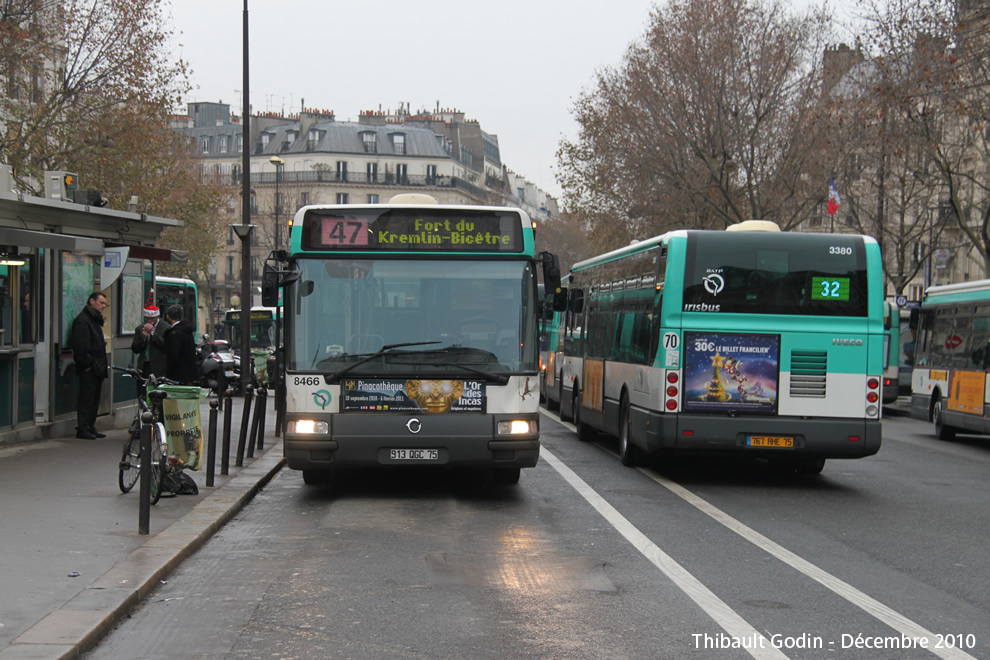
{"x": 847, "y": 342}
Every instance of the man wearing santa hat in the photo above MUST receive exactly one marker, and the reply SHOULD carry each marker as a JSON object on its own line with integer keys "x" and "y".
{"x": 149, "y": 340}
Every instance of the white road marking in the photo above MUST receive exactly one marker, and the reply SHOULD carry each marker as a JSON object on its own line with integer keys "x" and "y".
{"x": 870, "y": 605}
{"x": 895, "y": 620}
{"x": 733, "y": 624}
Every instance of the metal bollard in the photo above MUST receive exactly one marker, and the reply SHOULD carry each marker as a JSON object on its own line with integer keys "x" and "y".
{"x": 225, "y": 457}
{"x": 144, "y": 508}
{"x": 260, "y": 412}
{"x": 245, "y": 419}
{"x": 254, "y": 422}
{"x": 211, "y": 444}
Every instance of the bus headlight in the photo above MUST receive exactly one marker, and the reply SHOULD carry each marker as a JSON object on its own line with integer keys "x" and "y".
{"x": 308, "y": 427}
{"x": 516, "y": 427}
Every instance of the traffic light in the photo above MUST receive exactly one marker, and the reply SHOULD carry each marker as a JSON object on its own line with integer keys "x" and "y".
{"x": 61, "y": 185}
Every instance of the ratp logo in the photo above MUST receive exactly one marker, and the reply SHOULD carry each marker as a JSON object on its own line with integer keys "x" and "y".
{"x": 714, "y": 283}
{"x": 321, "y": 398}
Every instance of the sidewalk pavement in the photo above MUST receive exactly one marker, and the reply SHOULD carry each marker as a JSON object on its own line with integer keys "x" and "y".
{"x": 73, "y": 560}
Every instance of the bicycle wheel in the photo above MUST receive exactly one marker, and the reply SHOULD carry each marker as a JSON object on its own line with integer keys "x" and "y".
{"x": 157, "y": 461}
{"x": 130, "y": 463}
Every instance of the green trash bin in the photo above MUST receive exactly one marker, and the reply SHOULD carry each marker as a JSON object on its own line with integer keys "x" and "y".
{"x": 260, "y": 359}
{"x": 183, "y": 424}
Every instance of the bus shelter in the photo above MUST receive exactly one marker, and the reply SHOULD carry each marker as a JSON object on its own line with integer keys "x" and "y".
{"x": 53, "y": 255}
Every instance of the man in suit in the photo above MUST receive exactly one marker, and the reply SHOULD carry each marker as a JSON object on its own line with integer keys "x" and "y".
{"x": 180, "y": 348}
{"x": 149, "y": 341}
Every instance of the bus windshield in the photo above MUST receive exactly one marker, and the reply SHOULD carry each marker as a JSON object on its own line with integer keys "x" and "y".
{"x": 766, "y": 273}
{"x": 472, "y": 314}
{"x": 262, "y": 330}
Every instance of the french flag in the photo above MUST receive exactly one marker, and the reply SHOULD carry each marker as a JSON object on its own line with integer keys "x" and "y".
{"x": 834, "y": 201}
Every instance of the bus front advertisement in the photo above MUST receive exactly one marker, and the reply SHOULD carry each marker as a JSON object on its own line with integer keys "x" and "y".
{"x": 408, "y": 344}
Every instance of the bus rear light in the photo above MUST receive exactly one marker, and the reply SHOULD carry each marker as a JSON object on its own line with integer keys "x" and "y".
{"x": 872, "y": 397}
{"x": 672, "y": 390}
{"x": 873, "y": 383}
{"x": 688, "y": 433}
{"x": 671, "y": 404}
{"x": 854, "y": 438}
{"x": 672, "y": 377}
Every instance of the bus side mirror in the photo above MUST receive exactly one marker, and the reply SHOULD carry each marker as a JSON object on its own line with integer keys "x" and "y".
{"x": 560, "y": 300}
{"x": 576, "y": 303}
{"x": 269, "y": 286}
{"x": 551, "y": 273}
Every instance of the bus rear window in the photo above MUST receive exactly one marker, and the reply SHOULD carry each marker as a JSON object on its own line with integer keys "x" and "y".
{"x": 768, "y": 273}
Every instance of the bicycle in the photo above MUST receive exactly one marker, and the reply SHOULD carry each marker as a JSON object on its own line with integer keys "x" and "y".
{"x": 130, "y": 461}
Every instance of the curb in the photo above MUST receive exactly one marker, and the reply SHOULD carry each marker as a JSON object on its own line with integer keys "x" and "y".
{"x": 79, "y": 624}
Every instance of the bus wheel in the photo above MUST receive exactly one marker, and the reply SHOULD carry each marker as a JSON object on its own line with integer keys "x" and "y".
{"x": 584, "y": 432}
{"x": 811, "y": 466}
{"x": 315, "y": 477}
{"x": 506, "y": 475}
{"x": 942, "y": 431}
{"x": 627, "y": 450}
{"x": 555, "y": 405}
{"x": 563, "y": 416}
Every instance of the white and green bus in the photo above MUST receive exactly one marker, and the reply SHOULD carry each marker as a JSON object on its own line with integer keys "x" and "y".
{"x": 752, "y": 342}
{"x": 262, "y": 328}
{"x": 410, "y": 337}
{"x": 952, "y": 358}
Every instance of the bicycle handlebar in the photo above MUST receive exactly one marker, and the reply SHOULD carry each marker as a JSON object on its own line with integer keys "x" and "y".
{"x": 140, "y": 378}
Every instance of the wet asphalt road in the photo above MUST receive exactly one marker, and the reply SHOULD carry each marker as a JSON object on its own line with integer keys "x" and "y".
{"x": 585, "y": 558}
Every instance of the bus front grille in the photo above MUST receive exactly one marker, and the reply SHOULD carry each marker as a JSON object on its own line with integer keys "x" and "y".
{"x": 809, "y": 370}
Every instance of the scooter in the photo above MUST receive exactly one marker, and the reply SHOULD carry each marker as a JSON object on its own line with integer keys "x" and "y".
{"x": 231, "y": 369}
{"x": 211, "y": 369}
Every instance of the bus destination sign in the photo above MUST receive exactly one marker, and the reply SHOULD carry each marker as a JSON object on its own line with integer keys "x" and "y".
{"x": 430, "y": 230}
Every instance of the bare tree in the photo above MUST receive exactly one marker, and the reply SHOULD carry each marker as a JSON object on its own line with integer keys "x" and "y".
{"x": 81, "y": 75}
{"x": 566, "y": 238}
{"x": 883, "y": 167}
{"x": 712, "y": 119}
{"x": 935, "y": 58}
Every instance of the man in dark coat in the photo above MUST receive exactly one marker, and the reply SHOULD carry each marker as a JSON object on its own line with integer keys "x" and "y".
{"x": 89, "y": 351}
{"x": 149, "y": 342}
{"x": 180, "y": 349}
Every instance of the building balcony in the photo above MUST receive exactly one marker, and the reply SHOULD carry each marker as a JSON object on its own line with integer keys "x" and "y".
{"x": 356, "y": 179}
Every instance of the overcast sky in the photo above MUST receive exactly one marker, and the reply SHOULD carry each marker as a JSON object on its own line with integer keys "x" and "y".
{"x": 516, "y": 66}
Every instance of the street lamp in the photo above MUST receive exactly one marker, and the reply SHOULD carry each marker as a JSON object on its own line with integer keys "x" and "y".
{"x": 243, "y": 232}
{"x": 244, "y": 229}
{"x": 279, "y": 164}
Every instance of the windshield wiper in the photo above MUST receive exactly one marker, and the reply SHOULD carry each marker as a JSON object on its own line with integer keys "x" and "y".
{"x": 337, "y": 375}
{"x": 489, "y": 376}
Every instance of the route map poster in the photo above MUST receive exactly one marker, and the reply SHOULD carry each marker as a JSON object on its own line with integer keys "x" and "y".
{"x": 413, "y": 396}
{"x": 731, "y": 372}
